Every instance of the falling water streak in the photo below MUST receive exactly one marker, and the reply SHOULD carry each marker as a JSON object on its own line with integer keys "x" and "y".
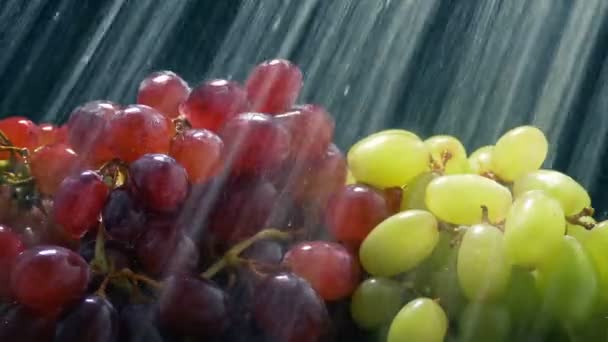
{"x": 68, "y": 85}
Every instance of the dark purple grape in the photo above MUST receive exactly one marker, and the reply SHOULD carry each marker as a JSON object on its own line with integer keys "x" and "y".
{"x": 94, "y": 319}
{"x": 288, "y": 309}
{"x": 138, "y": 324}
{"x": 193, "y": 306}
{"x": 159, "y": 182}
{"x": 18, "y": 324}
{"x": 122, "y": 218}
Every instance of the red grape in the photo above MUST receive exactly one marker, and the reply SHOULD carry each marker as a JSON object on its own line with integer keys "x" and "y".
{"x": 10, "y": 246}
{"x": 78, "y": 203}
{"x": 20, "y": 131}
{"x": 164, "y": 91}
{"x": 122, "y": 218}
{"x": 49, "y": 134}
{"x": 137, "y": 130}
{"x": 329, "y": 268}
{"x": 289, "y": 310}
{"x": 255, "y": 143}
{"x": 193, "y": 306}
{"x": 159, "y": 182}
{"x": 94, "y": 319}
{"x": 46, "y": 278}
{"x": 311, "y": 129}
{"x": 50, "y": 164}
{"x": 393, "y": 199}
{"x": 354, "y": 211}
{"x": 200, "y": 152}
{"x": 273, "y": 86}
{"x": 87, "y": 130}
{"x": 213, "y": 103}
{"x": 242, "y": 211}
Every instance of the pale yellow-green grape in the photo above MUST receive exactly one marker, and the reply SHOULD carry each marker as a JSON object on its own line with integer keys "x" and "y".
{"x": 421, "y": 320}
{"x": 399, "y": 243}
{"x": 523, "y": 300}
{"x": 375, "y": 302}
{"x": 596, "y": 245}
{"x": 480, "y": 161}
{"x": 519, "y": 151}
{"x": 483, "y": 269}
{"x": 397, "y": 131}
{"x": 413, "y": 195}
{"x": 458, "y": 199}
{"x": 350, "y": 179}
{"x": 439, "y": 145}
{"x": 570, "y": 194}
{"x": 578, "y": 232}
{"x": 568, "y": 283}
{"x": 484, "y": 322}
{"x": 388, "y": 159}
{"x": 534, "y": 227}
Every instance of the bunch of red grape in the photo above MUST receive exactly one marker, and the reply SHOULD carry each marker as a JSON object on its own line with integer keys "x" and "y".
{"x": 191, "y": 215}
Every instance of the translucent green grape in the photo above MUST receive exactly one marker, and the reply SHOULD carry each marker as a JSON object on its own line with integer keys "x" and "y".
{"x": 483, "y": 322}
{"x": 596, "y": 245}
{"x": 480, "y": 161}
{"x": 421, "y": 320}
{"x": 413, "y": 195}
{"x": 519, "y": 151}
{"x": 375, "y": 302}
{"x": 444, "y": 147}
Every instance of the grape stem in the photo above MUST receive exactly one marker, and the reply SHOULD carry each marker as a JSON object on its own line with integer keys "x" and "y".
{"x": 181, "y": 124}
{"x": 232, "y": 258}
{"x": 101, "y": 291}
{"x": 125, "y": 272}
{"x": 576, "y": 218}
{"x": 100, "y": 261}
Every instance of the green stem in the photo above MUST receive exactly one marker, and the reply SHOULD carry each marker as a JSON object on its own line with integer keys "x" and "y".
{"x": 100, "y": 260}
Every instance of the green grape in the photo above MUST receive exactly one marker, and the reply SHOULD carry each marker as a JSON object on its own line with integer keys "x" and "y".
{"x": 596, "y": 245}
{"x": 480, "y": 161}
{"x": 439, "y": 145}
{"x": 375, "y": 302}
{"x": 570, "y": 194}
{"x": 522, "y": 300}
{"x": 578, "y": 232}
{"x": 413, "y": 195}
{"x": 483, "y": 322}
{"x": 593, "y": 329}
{"x": 388, "y": 159}
{"x": 483, "y": 270}
{"x": 399, "y": 243}
{"x": 397, "y": 131}
{"x": 458, "y": 199}
{"x": 421, "y": 320}
{"x": 568, "y": 283}
{"x": 534, "y": 227}
{"x": 350, "y": 179}
{"x": 519, "y": 151}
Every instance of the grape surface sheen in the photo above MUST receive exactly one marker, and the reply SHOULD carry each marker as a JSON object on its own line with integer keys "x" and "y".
{"x": 421, "y": 320}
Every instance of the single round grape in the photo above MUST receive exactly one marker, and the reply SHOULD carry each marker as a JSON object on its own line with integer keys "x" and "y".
{"x": 568, "y": 282}
{"x": 458, "y": 199}
{"x": 414, "y": 194}
{"x": 399, "y": 243}
{"x": 595, "y": 245}
{"x": 393, "y": 198}
{"x": 533, "y": 228}
{"x": 193, "y": 306}
{"x": 200, "y": 152}
{"x": 18, "y": 324}
{"x": 137, "y": 130}
{"x": 87, "y": 130}
{"x": 273, "y": 86}
{"x": 21, "y": 132}
{"x": 79, "y": 202}
{"x": 311, "y": 129}
{"x": 353, "y": 211}
{"x": 94, "y": 319}
{"x": 51, "y": 164}
{"x": 375, "y": 302}
{"x": 159, "y": 182}
{"x": 450, "y": 148}
{"x": 388, "y": 160}
{"x": 571, "y": 195}
{"x": 286, "y": 308}
{"x": 10, "y": 246}
{"x": 163, "y": 90}
{"x": 519, "y": 151}
{"x": 484, "y": 322}
{"x": 330, "y": 268}
{"x": 49, "y": 134}
{"x": 480, "y": 161}
{"x": 483, "y": 269}
{"x": 242, "y": 211}
{"x": 211, "y": 104}
{"x": 523, "y": 299}
{"x": 421, "y": 320}
{"x": 46, "y": 278}
{"x": 123, "y": 219}
{"x": 255, "y": 143}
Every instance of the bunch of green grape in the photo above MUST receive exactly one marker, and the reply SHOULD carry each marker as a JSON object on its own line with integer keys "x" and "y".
{"x": 485, "y": 247}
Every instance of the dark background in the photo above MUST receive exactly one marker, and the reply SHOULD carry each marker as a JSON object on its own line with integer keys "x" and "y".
{"x": 469, "y": 68}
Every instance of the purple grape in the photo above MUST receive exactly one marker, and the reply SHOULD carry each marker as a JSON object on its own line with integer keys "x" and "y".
{"x": 94, "y": 319}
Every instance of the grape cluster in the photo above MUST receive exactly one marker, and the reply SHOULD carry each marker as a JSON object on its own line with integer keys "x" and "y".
{"x": 192, "y": 215}
{"x": 486, "y": 247}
